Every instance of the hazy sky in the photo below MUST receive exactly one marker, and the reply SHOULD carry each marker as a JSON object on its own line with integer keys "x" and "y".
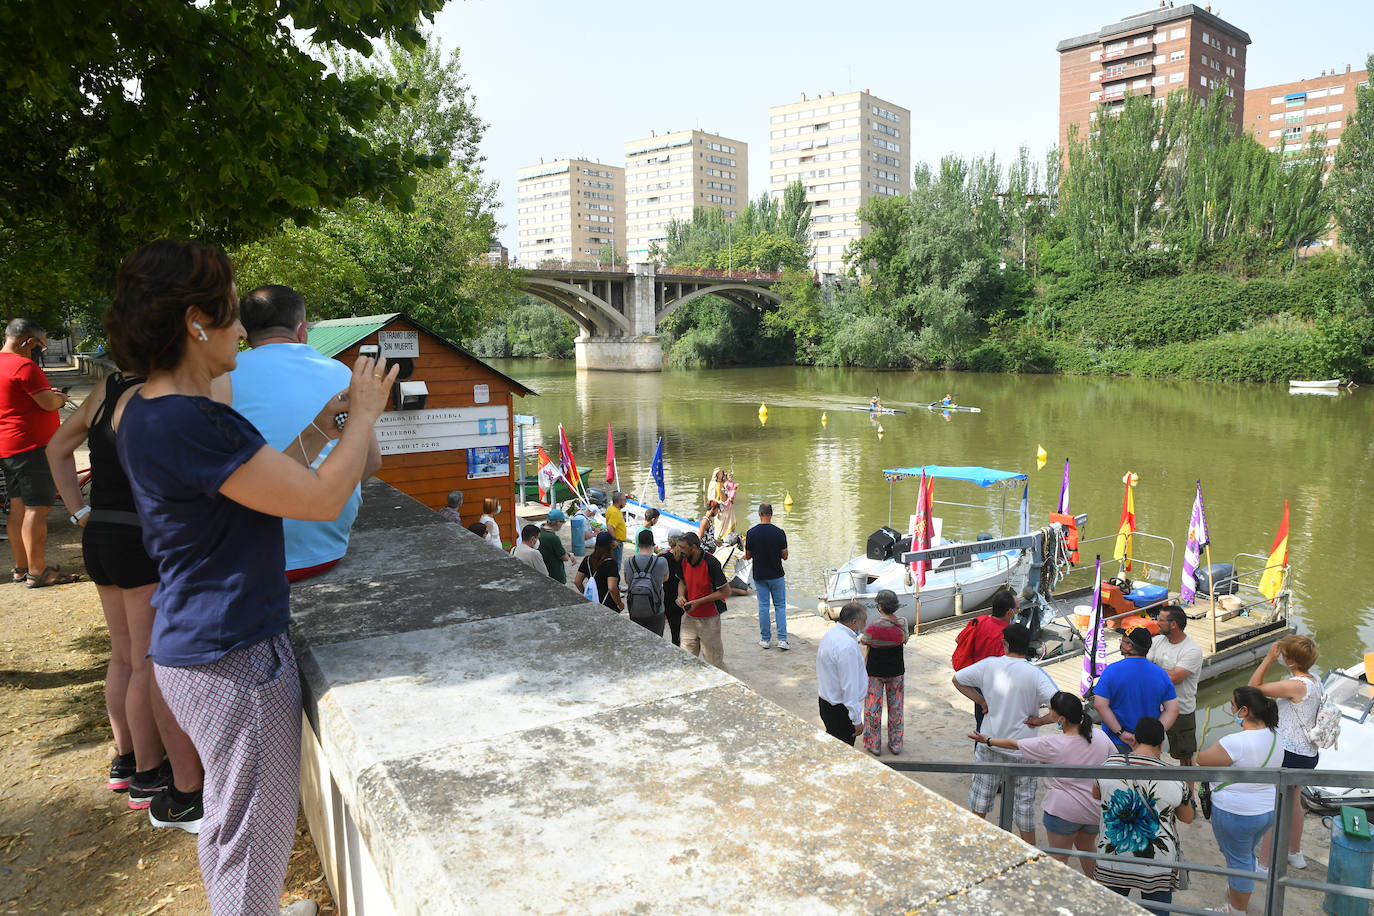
{"x": 559, "y": 79}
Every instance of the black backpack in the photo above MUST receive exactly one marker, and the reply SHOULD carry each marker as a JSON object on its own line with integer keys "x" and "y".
{"x": 645, "y": 594}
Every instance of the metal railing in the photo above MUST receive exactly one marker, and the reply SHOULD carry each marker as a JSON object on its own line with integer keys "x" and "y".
{"x": 1285, "y": 782}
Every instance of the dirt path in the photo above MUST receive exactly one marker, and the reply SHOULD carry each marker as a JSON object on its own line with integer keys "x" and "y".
{"x": 68, "y": 844}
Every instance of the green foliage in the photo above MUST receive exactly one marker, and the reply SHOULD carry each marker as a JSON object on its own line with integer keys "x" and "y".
{"x": 766, "y": 235}
{"x": 1352, "y": 182}
{"x": 530, "y": 328}
{"x": 710, "y": 332}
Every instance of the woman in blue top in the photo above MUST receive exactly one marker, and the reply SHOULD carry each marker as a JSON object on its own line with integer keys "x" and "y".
{"x": 211, "y": 495}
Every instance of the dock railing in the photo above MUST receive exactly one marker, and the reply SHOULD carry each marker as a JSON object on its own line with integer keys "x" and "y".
{"x": 1285, "y": 782}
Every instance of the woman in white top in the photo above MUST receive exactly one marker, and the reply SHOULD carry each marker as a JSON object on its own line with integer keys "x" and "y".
{"x": 1243, "y": 811}
{"x": 490, "y": 507}
{"x": 1299, "y": 697}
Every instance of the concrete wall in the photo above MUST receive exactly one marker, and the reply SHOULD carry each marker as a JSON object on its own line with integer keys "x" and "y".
{"x": 619, "y": 354}
{"x": 481, "y": 740}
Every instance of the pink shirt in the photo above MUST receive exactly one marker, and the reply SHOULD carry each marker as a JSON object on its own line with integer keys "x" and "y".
{"x": 1070, "y": 799}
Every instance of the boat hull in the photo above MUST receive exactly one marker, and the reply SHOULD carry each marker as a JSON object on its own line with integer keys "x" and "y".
{"x": 1315, "y": 383}
{"x": 1353, "y": 750}
{"x": 946, "y": 592}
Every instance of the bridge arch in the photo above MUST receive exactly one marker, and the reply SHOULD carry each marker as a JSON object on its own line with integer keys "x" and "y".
{"x": 745, "y": 296}
{"x": 597, "y": 314}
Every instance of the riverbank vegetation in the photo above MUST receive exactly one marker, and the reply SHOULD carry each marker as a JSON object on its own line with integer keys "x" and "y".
{"x": 1167, "y": 246}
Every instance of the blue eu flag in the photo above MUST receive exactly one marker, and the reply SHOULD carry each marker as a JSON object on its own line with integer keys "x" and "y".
{"x": 656, "y": 468}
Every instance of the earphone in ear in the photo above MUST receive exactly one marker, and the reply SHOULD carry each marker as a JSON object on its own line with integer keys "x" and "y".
{"x": 196, "y": 325}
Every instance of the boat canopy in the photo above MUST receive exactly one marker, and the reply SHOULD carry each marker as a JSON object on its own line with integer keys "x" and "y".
{"x": 984, "y": 477}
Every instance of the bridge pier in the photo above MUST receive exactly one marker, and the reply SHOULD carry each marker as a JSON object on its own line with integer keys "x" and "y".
{"x": 619, "y": 354}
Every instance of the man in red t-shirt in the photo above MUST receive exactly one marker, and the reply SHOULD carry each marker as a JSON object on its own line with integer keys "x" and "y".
{"x": 28, "y": 418}
{"x": 702, "y": 596}
{"x": 981, "y": 637}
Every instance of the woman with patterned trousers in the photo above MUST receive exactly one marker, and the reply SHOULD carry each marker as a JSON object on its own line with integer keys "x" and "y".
{"x": 883, "y": 640}
{"x": 211, "y": 494}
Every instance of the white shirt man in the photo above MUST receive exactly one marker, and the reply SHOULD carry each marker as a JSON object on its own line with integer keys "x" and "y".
{"x": 527, "y": 550}
{"x": 1181, "y": 659}
{"x": 841, "y": 678}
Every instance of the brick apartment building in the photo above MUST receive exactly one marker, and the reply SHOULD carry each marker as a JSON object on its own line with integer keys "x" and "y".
{"x": 569, "y": 210}
{"x": 1152, "y": 53}
{"x": 1289, "y": 114}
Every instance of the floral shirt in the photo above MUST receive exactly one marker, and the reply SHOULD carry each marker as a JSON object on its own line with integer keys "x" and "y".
{"x": 1138, "y": 820}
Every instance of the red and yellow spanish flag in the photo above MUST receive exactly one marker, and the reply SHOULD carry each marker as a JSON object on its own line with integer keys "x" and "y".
{"x": 1272, "y": 579}
{"x": 1122, "y": 551}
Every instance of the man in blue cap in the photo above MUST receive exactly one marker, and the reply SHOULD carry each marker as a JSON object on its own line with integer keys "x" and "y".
{"x": 551, "y": 546}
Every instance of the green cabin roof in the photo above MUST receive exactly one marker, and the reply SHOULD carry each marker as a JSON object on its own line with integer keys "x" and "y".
{"x": 335, "y": 335}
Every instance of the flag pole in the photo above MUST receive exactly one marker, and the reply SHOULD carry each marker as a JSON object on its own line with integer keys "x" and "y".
{"x": 1212, "y": 595}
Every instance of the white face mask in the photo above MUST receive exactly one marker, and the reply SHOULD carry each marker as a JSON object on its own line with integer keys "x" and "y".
{"x": 1283, "y": 661}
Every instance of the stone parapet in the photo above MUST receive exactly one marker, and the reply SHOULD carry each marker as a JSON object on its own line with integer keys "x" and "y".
{"x": 481, "y": 740}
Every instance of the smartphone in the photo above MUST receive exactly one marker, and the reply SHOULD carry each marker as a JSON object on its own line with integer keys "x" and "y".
{"x": 368, "y": 350}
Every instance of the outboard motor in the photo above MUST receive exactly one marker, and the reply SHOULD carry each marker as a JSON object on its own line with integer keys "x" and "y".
{"x": 1217, "y": 579}
{"x": 882, "y": 543}
{"x": 597, "y": 496}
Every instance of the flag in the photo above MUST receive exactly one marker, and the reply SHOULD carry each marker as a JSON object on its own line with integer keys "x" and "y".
{"x": 1122, "y": 551}
{"x": 548, "y": 475}
{"x": 565, "y": 461}
{"x": 1064, "y": 490}
{"x": 610, "y": 456}
{"x": 1192, "y": 551}
{"x": 656, "y": 468}
{"x": 1025, "y": 509}
{"x": 920, "y": 537}
{"x": 1272, "y": 579}
{"x": 1095, "y": 658}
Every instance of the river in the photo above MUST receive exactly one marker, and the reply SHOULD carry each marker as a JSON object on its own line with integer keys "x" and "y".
{"x": 1252, "y": 446}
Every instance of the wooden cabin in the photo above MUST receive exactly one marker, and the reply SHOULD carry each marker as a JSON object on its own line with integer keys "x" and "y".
{"x": 451, "y": 423}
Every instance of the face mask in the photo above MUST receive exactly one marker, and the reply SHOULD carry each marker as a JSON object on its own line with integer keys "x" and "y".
{"x": 1283, "y": 661}
{"x": 1239, "y": 721}
{"x": 1062, "y": 723}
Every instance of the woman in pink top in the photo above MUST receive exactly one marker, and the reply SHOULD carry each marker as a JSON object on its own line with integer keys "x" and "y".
{"x": 1072, "y": 815}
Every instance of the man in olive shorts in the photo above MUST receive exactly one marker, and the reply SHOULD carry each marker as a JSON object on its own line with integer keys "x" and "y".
{"x": 28, "y": 418}
{"x": 1181, "y": 659}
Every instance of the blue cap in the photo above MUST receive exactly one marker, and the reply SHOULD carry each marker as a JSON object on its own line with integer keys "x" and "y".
{"x": 556, "y": 515}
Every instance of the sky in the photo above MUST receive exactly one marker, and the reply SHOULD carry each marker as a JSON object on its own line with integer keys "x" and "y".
{"x": 558, "y": 80}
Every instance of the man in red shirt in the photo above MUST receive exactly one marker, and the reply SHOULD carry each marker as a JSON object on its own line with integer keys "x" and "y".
{"x": 702, "y": 596}
{"x": 28, "y": 418}
{"x": 981, "y": 637}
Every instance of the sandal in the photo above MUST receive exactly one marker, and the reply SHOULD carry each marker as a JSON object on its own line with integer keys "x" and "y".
{"x": 18, "y": 574}
{"x": 58, "y": 577}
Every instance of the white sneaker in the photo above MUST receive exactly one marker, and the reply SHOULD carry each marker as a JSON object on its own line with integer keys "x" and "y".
{"x": 1261, "y": 867}
{"x": 782, "y": 644}
{"x": 300, "y": 908}
{"x": 765, "y": 644}
{"x": 1296, "y": 860}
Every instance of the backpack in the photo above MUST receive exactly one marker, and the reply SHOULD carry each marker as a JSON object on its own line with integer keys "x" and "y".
{"x": 963, "y": 646}
{"x": 645, "y": 592}
{"x": 1326, "y": 731}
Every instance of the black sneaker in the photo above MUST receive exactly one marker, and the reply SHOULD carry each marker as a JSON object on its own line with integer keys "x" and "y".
{"x": 182, "y": 810}
{"x": 147, "y": 784}
{"x": 121, "y": 771}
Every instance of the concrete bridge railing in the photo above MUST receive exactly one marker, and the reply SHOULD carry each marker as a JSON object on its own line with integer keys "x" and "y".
{"x": 479, "y": 739}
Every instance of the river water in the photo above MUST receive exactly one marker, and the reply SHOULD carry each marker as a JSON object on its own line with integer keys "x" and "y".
{"x": 1252, "y": 446}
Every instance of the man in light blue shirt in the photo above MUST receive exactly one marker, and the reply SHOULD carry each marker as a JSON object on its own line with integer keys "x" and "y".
{"x": 280, "y": 386}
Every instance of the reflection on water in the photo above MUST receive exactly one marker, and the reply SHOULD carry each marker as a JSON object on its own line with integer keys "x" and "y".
{"x": 1251, "y": 445}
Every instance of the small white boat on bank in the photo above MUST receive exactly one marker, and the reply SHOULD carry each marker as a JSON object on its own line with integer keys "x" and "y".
{"x": 1318, "y": 384}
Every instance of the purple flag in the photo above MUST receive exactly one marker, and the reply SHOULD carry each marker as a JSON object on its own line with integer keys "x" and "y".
{"x": 1095, "y": 658}
{"x": 1192, "y": 551}
{"x": 1064, "y": 491}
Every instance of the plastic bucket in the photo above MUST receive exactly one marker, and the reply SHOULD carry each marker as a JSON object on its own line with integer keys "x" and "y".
{"x": 1083, "y": 617}
{"x": 1351, "y": 863}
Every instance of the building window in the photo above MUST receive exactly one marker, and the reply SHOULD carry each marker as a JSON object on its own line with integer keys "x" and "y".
{"x": 1094, "y": 55}
{"x": 1094, "y": 96}
{"x": 1142, "y": 40}
{"x": 1176, "y": 77}
{"x": 1157, "y": 81}
{"x": 1159, "y": 59}
{"x": 1176, "y": 34}
{"x": 1202, "y": 80}
{"x": 1176, "y": 56}
{"x": 1206, "y": 39}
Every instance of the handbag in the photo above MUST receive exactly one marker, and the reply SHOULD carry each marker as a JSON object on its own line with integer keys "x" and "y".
{"x": 1204, "y": 792}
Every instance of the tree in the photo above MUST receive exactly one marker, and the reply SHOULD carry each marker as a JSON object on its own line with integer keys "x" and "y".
{"x": 122, "y": 122}
{"x": 1352, "y": 182}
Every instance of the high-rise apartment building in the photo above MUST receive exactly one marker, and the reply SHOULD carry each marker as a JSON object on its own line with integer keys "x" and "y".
{"x": 570, "y": 210}
{"x": 1153, "y": 53}
{"x": 844, "y": 149}
{"x": 1289, "y": 114}
{"x": 668, "y": 175}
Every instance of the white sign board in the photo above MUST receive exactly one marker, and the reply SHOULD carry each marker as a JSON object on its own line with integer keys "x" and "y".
{"x": 441, "y": 429}
{"x": 399, "y": 344}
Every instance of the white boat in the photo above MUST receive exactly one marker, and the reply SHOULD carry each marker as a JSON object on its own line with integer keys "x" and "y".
{"x": 938, "y": 406}
{"x": 1355, "y": 747}
{"x": 1314, "y": 383}
{"x": 667, "y": 524}
{"x": 953, "y": 584}
{"x": 885, "y": 411}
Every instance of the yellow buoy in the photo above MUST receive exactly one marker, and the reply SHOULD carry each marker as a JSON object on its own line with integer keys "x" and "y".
{"x": 880, "y": 432}
{"x": 823, "y": 419}
{"x": 787, "y": 500}
{"x": 1041, "y": 456}
{"x": 763, "y": 411}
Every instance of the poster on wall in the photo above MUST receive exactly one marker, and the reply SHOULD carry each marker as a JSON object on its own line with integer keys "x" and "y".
{"x": 488, "y": 461}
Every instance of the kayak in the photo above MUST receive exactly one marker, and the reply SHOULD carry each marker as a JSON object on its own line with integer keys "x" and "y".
{"x": 885, "y": 411}
{"x": 955, "y": 408}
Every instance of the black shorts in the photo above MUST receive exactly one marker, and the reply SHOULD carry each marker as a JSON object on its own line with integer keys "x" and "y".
{"x": 28, "y": 478}
{"x": 115, "y": 555}
{"x": 1292, "y": 761}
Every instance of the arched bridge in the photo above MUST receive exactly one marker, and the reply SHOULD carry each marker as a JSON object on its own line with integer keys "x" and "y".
{"x": 618, "y": 310}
